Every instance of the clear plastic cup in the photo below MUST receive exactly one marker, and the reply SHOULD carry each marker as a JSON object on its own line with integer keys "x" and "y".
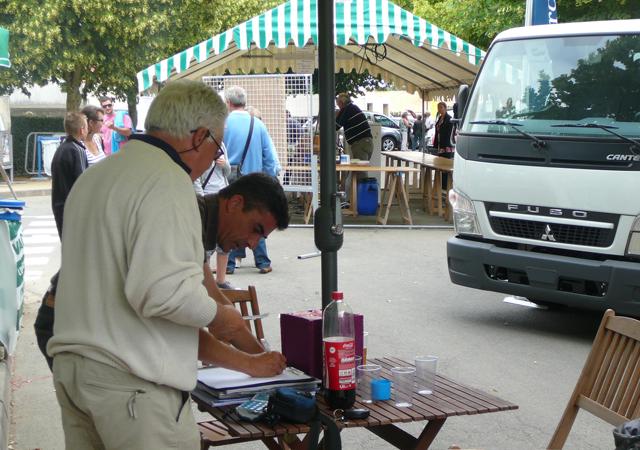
{"x": 365, "y": 374}
{"x": 426, "y": 367}
{"x": 403, "y": 381}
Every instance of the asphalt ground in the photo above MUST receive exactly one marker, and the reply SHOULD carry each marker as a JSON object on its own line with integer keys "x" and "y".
{"x": 397, "y": 278}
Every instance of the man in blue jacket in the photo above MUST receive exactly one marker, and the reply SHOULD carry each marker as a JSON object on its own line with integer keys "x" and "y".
{"x": 250, "y": 149}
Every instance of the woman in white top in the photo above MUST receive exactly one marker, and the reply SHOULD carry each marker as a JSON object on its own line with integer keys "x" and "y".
{"x": 210, "y": 182}
{"x": 93, "y": 142}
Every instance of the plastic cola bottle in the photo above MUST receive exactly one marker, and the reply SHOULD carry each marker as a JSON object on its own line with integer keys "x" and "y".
{"x": 339, "y": 349}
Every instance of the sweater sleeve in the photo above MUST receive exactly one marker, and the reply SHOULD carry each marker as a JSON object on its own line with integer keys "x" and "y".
{"x": 164, "y": 246}
{"x": 270, "y": 163}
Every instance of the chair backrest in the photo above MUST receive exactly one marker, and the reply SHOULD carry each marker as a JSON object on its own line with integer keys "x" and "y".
{"x": 245, "y": 298}
{"x": 609, "y": 385}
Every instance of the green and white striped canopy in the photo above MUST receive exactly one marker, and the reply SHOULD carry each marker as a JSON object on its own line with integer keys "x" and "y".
{"x": 416, "y": 54}
{"x": 4, "y": 48}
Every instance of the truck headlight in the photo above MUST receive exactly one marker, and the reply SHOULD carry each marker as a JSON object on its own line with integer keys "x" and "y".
{"x": 465, "y": 219}
{"x": 633, "y": 247}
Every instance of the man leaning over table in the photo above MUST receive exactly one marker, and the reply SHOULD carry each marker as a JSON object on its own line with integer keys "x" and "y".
{"x": 130, "y": 301}
{"x": 357, "y": 133}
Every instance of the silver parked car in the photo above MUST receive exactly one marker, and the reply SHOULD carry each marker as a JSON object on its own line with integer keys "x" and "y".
{"x": 390, "y": 130}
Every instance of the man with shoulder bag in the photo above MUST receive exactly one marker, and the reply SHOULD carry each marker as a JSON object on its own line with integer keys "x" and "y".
{"x": 250, "y": 149}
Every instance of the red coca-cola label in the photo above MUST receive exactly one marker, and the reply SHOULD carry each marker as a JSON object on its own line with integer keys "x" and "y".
{"x": 340, "y": 363}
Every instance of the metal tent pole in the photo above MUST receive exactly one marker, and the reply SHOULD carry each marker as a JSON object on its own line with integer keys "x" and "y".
{"x": 328, "y": 217}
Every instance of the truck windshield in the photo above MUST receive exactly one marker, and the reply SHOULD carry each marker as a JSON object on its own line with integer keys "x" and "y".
{"x": 545, "y": 82}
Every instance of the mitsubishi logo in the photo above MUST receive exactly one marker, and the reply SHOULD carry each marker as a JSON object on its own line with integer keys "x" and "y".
{"x": 547, "y": 235}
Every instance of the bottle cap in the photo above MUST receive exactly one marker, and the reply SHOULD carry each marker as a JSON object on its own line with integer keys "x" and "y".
{"x": 337, "y": 295}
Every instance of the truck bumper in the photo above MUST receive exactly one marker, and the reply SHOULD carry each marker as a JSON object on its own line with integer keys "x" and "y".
{"x": 575, "y": 282}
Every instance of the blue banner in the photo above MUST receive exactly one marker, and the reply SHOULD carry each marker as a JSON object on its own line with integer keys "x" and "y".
{"x": 543, "y": 12}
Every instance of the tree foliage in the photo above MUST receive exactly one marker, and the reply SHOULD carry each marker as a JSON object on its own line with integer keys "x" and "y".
{"x": 353, "y": 83}
{"x": 98, "y": 47}
{"x": 479, "y": 21}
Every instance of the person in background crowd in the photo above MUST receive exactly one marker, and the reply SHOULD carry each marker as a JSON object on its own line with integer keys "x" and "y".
{"x": 69, "y": 162}
{"x": 442, "y": 137}
{"x": 210, "y": 182}
{"x": 357, "y": 133}
{"x": 357, "y": 130}
{"x": 428, "y": 121}
{"x": 405, "y": 131}
{"x": 117, "y": 127}
{"x": 244, "y": 131}
{"x": 93, "y": 141}
{"x": 411, "y": 140}
{"x": 255, "y": 112}
{"x": 418, "y": 133}
{"x": 131, "y": 307}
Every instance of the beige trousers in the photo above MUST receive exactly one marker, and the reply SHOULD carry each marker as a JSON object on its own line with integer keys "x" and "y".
{"x": 106, "y": 408}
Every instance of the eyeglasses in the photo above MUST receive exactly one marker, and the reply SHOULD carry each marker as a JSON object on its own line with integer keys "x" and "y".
{"x": 108, "y": 105}
{"x": 209, "y": 135}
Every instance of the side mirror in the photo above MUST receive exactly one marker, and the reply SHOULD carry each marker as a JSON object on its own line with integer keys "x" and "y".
{"x": 462, "y": 97}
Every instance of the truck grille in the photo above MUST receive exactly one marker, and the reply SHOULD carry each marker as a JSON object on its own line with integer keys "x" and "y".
{"x": 565, "y": 234}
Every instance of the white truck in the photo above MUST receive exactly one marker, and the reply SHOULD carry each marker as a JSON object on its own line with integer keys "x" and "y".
{"x": 546, "y": 193}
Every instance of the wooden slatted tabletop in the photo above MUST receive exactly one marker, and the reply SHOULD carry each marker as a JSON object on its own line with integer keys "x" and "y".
{"x": 433, "y": 170}
{"x": 421, "y": 159}
{"x": 450, "y": 398}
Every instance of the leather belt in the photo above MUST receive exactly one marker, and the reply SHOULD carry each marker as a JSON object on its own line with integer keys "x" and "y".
{"x": 50, "y": 300}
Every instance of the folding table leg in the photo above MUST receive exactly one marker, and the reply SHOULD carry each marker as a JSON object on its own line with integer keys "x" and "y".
{"x": 428, "y": 190}
{"x": 386, "y": 193}
{"x": 403, "y": 201}
{"x": 437, "y": 181}
{"x": 392, "y": 179}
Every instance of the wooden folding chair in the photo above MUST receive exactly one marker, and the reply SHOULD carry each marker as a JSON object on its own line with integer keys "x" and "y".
{"x": 212, "y": 432}
{"x": 246, "y": 298}
{"x": 609, "y": 385}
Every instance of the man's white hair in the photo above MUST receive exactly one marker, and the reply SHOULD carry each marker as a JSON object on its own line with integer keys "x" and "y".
{"x": 236, "y": 95}
{"x": 185, "y": 105}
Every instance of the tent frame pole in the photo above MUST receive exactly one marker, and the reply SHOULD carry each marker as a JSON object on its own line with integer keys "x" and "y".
{"x": 328, "y": 231}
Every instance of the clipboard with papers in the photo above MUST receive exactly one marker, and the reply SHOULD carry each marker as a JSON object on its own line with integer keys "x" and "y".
{"x": 225, "y": 383}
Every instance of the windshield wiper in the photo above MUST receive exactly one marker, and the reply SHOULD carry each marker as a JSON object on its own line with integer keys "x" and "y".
{"x": 608, "y": 128}
{"x": 537, "y": 142}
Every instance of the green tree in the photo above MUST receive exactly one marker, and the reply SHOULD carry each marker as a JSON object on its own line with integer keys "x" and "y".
{"x": 479, "y": 21}
{"x": 98, "y": 47}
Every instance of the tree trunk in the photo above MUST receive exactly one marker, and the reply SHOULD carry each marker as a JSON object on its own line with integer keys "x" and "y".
{"x": 132, "y": 101}
{"x": 72, "y": 83}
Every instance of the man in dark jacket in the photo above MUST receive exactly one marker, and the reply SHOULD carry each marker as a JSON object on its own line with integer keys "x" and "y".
{"x": 68, "y": 163}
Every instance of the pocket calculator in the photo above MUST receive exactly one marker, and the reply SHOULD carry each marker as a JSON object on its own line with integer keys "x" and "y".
{"x": 254, "y": 409}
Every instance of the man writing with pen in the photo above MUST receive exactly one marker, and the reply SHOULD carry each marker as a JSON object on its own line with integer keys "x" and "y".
{"x": 131, "y": 313}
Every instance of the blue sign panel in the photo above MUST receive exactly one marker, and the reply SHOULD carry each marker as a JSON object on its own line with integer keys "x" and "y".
{"x": 544, "y": 12}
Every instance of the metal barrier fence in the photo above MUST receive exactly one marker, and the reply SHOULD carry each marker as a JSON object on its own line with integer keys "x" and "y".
{"x": 38, "y": 152}
{"x": 6, "y": 152}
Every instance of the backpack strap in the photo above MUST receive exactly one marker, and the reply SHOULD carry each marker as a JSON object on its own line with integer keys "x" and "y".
{"x": 331, "y": 440}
